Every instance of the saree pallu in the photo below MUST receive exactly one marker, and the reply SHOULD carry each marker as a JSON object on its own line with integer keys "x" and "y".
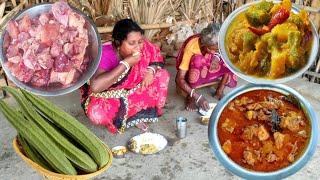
{"x": 126, "y": 103}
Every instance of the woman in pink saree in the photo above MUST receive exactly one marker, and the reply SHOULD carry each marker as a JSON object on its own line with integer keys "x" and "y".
{"x": 130, "y": 86}
{"x": 199, "y": 65}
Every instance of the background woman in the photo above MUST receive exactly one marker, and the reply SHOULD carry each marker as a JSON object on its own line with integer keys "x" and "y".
{"x": 199, "y": 64}
{"x": 130, "y": 86}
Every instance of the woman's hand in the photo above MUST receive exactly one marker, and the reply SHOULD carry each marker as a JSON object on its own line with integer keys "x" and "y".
{"x": 134, "y": 59}
{"x": 148, "y": 79}
{"x": 203, "y": 103}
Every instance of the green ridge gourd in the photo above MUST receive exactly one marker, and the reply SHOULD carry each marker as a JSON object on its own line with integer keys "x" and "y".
{"x": 79, "y": 158}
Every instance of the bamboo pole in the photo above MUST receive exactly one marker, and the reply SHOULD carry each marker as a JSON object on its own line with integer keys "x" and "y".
{"x": 14, "y": 3}
{"x": 144, "y": 26}
{"x": 2, "y": 7}
{"x": 4, "y": 20}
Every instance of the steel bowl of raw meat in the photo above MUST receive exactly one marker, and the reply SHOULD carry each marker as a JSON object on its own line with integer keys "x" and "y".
{"x": 50, "y": 49}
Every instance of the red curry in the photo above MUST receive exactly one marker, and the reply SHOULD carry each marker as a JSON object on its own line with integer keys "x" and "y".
{"x": 246, "y": 133}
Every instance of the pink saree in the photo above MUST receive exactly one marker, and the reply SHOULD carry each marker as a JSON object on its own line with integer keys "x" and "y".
{"x": 204, "y": 70}
{"x": 126, "y": 103}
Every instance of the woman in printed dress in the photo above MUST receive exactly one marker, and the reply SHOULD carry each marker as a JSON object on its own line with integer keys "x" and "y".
{"x": 130, "y": 85}
{"x": 199, "y": 64}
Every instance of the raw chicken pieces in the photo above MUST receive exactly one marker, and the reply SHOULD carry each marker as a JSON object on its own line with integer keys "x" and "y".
{"x": 48, "y": 49}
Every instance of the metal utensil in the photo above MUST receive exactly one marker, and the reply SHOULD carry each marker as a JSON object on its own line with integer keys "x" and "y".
{"x": 93, "y": 50}
{"x": 259, "y": 80}
{"x": 181, "y": 127}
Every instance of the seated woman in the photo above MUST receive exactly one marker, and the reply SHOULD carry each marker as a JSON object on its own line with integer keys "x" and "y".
{"x": 130, "y": 86}
{"x": 199, "y": 64}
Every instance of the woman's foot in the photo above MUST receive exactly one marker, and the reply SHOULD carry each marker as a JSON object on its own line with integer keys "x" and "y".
{"x": 190, "y": 104}
{"x": 219, "y": 94}
{"x": 142, "y": 126}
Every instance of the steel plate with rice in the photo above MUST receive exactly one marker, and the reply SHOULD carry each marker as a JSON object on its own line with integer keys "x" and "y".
{"x": 147, "y": 143}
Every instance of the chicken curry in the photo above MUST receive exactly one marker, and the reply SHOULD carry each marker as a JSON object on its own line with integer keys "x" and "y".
{"x": 269, "y": 41}
{"x": 263, "y": 130}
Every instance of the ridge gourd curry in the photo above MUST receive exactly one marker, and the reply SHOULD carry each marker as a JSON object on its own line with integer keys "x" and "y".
{"x": 269, "y": 41}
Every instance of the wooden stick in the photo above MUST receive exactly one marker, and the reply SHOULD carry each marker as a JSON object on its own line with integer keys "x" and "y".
{"x": 14, "y": 3}
{"x": 145, "y": 26}
{"x": 6, "y": 18}
{"x": 2, "y": 7}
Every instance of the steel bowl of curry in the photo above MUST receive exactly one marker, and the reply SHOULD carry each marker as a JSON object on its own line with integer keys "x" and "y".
{"x": 268, "y": 42}
{"x": 263, "y": 131}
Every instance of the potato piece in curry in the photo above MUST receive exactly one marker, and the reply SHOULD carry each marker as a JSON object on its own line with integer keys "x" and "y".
{"x": 262, "y": 43}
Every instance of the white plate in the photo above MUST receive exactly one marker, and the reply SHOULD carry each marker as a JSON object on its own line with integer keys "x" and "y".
{"x": 207, "y": 113}
{"x": 156, "y": 141}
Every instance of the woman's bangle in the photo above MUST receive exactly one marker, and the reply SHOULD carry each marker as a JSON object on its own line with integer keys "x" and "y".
{"x": 152, "y": 68}
{"x": 192, "y": 92}
{"x": 199, "y": 99}
{"x": 125, "y": 64}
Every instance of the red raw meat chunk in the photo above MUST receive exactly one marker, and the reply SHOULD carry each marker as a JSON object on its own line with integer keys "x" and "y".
{"x": 44, "y": 18}
{"x": 61, "y": 12}
{"x": 30, "y": 60}
{"x": 35, "y": 22}
{"x": 23, "y": 36}
{"x": 20, "y": 71}
{"x": 12, "y": 28}
{"x": 84, "y": 64}
{"x": 35, "y": 31}
{"x": 69, "y": 35}
{"x": 45, "y": 60}
{"x": 83, "y": 33}
{"x": 43, "y": 47}
{"x": 15, "y": 59}
{"x": 49, "y": 33}
{"x": 62, "y": 64}
{"x": 56, "y": 49}
{"x": 64, "y": 78}
{"x": 6, "y": 40}
{"x": 68, "y": 49}
{"x": 76, "y": 20}
{"x": 25, "y": 24}
{"x": 24, "y": 45}
{"x": 77, "y": 61}
{"x": 41, "y": 78}
{"x": 47, "y": 49}
{"x": 13, "y": 50}
{"x": 80, "y": 45}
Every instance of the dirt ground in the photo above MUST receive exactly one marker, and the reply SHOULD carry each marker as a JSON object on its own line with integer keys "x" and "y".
{"x": 188, "y": 158}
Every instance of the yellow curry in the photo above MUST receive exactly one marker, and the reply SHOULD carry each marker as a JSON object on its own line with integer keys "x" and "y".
{"x": 269, "y": 41}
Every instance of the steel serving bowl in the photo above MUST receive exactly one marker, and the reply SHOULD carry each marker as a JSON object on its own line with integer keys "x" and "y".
{"x": 261, "y": 80}
{"x": 93, "y": 50}
{"x": 250, "y": 174}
